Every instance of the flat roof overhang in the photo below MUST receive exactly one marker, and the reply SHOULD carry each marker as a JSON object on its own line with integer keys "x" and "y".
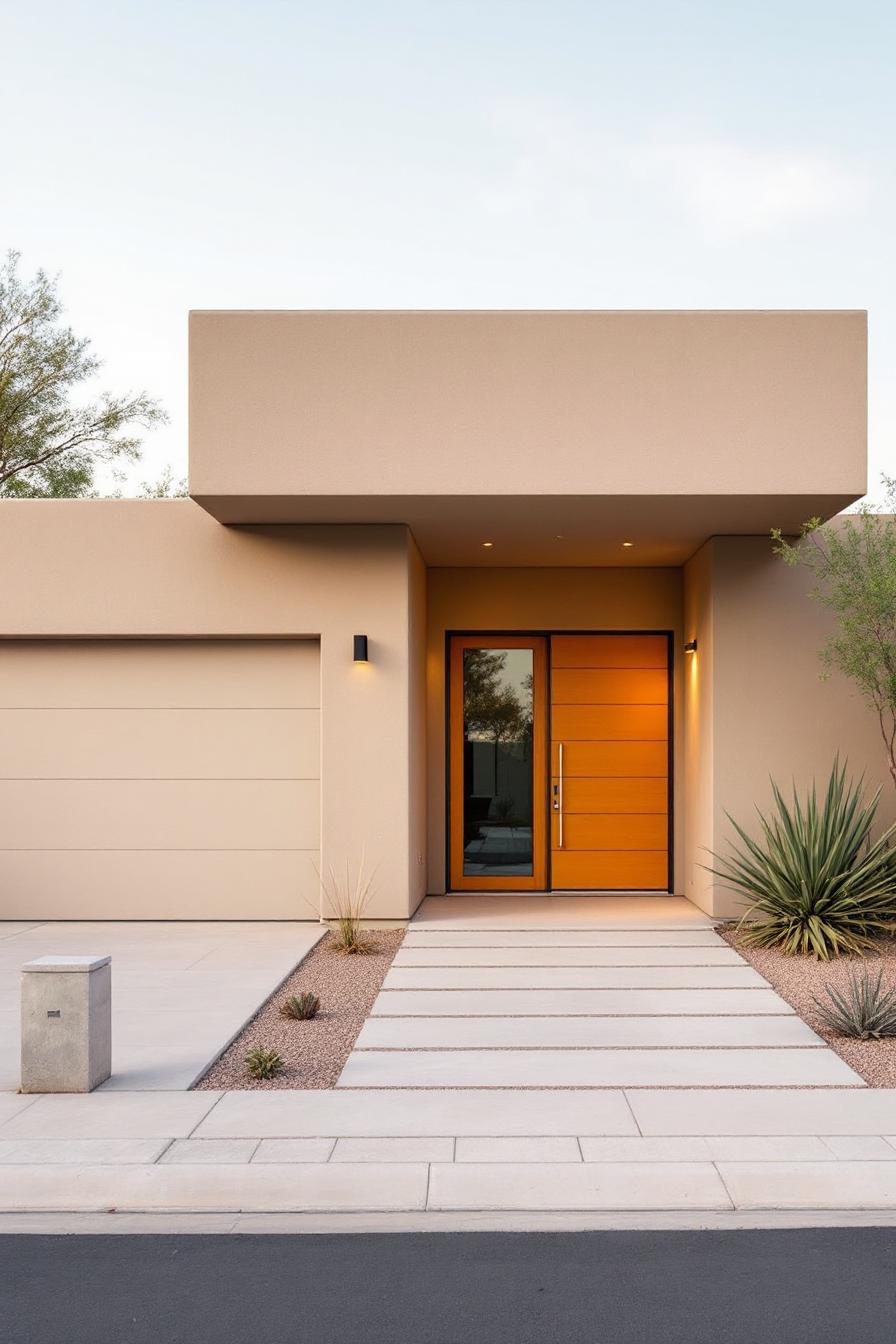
{"x": 544, "y": 529}
{"x": 555, "y": 435}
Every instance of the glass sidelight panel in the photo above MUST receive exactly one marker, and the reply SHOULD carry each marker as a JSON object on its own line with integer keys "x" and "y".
{"x": 497, "y": 750}
{"x": 498, "y": 764}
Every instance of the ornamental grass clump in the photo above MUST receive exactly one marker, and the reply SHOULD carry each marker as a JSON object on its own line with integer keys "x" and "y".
{"x": 818, "y": 884}
{"x": 866, "y": 1010}
{"x": 348, "y": 901}
{"x": 263, "y": 1064}
{"x": 300, "y": 1007}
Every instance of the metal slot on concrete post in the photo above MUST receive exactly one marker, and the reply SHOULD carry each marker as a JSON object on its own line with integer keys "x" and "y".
{"x": 66, "y": 1023}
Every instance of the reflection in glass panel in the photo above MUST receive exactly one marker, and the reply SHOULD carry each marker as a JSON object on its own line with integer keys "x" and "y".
{"x": 497, "y": 694}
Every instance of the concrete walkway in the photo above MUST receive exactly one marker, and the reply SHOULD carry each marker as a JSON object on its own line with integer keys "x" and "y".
{"x": 621, "y": 1108}
{"x": 580, "y": 992}
{"x": 498, "y": 1152}
{"x": 180, "y": 991}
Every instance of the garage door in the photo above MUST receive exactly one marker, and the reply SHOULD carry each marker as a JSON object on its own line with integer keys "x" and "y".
{"x": 159, "y": 779}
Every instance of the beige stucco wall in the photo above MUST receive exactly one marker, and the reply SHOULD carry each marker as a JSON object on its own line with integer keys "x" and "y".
{"x": 110, "y": 570}
{"x": 526, "y": 403}
{"x": 756, "y": 706}
{"x": 541, "y": 600}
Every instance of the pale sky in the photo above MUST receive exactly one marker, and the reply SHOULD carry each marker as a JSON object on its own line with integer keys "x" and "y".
{"x": 470, "y": 153}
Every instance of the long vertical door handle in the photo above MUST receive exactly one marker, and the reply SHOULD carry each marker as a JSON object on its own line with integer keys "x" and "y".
{"x": 558, "y": 795}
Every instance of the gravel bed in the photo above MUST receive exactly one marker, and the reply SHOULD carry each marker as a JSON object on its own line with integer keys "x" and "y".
{"x": 801, "y": 979}
{"x": 313, "y": 1052}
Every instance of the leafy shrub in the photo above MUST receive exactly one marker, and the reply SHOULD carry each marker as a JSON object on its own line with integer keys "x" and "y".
{"x": 866, "y": 1010}
{"x": 817, "y": 882}
{"x": 300, "y": 1007}
{"x": 263, "y": 1063}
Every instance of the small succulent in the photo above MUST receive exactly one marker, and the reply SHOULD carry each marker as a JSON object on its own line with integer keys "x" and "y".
{"x": 300, "y": 1007}
{"x": 263, "y": 1063}
{"x": 866, "y": 1010}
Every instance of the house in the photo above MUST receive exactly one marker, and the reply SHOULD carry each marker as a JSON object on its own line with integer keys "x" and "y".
{"x": 483, "y": 600}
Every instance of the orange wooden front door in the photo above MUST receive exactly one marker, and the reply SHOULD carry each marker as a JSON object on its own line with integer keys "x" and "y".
{"x": 609, "y": 752}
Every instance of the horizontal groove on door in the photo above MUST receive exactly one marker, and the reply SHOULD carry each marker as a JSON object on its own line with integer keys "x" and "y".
{"x": 592, "y": 723}
{"x": 634, "y": 793}
{"x": 615, "y": 760}
{"x": 646, "y": 830}
{"x": 609, "y": 651}
{"x": 643, "y": 870}
{"x": 610, "y": 686}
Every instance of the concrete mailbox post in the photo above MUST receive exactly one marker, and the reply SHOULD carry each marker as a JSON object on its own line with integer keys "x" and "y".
{"x": 66, "y": 1023}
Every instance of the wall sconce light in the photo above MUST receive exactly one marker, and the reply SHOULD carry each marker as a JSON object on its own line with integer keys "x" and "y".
{"x": 360, "y": 649}
{"x": 691, "y": 646}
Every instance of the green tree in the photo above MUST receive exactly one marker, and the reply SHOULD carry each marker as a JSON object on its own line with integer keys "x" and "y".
{"x": 853, "y": 563}
{"x": 50, "y": 441}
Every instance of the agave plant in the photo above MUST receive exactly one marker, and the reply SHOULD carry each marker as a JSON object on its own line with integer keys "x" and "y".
{"x": 263, "y": 1063}
{"x": 866, "y": 1010}
{"x": 300, "y": 1007}
{"x": 817, "y": 882}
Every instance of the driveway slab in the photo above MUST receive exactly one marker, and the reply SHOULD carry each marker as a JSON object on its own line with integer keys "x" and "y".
{"x": 180, "y": 991}
{"x": 597, "y": 1068}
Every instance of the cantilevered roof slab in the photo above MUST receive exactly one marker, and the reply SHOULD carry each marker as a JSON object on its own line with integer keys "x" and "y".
{"x": 555, "y": 435}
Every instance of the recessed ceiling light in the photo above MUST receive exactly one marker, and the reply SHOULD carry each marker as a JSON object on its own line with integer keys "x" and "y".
{"x": 559, "y": 537}
{"x": 488, "y": 544}
{"x": 628, "y": 543}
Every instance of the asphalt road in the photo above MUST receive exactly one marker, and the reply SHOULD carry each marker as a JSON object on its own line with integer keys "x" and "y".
{"x": 773, "y": 1287}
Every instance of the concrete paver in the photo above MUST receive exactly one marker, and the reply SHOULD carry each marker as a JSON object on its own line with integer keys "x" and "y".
{"x": 448, "y": 936}
{"x": 579, "y": 955}
{"x": 111, "y": 1115}
{"x": 291, "y": 1150}
{"x": 393, "y": 1150}
{"x": 857, "y": 1147}
{"x": 765, "y": 1112}
{"x": 433, "y": 1033}
{"x": 81, "y": 1152}
{"x": 596, "y": 1068}
{"x": 576, "y": 1002}
{"x": 242, "y": 1186}
{"x": 810, "y": 1185}
{"x": 509, "y": 1149}
{"x": 573, "y": 977}
{"x": 224, "y": 1151}
{"x": 399, "y": 1113}
{"x": 611, "y": 1185}
{"x": 515, "y": 911}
